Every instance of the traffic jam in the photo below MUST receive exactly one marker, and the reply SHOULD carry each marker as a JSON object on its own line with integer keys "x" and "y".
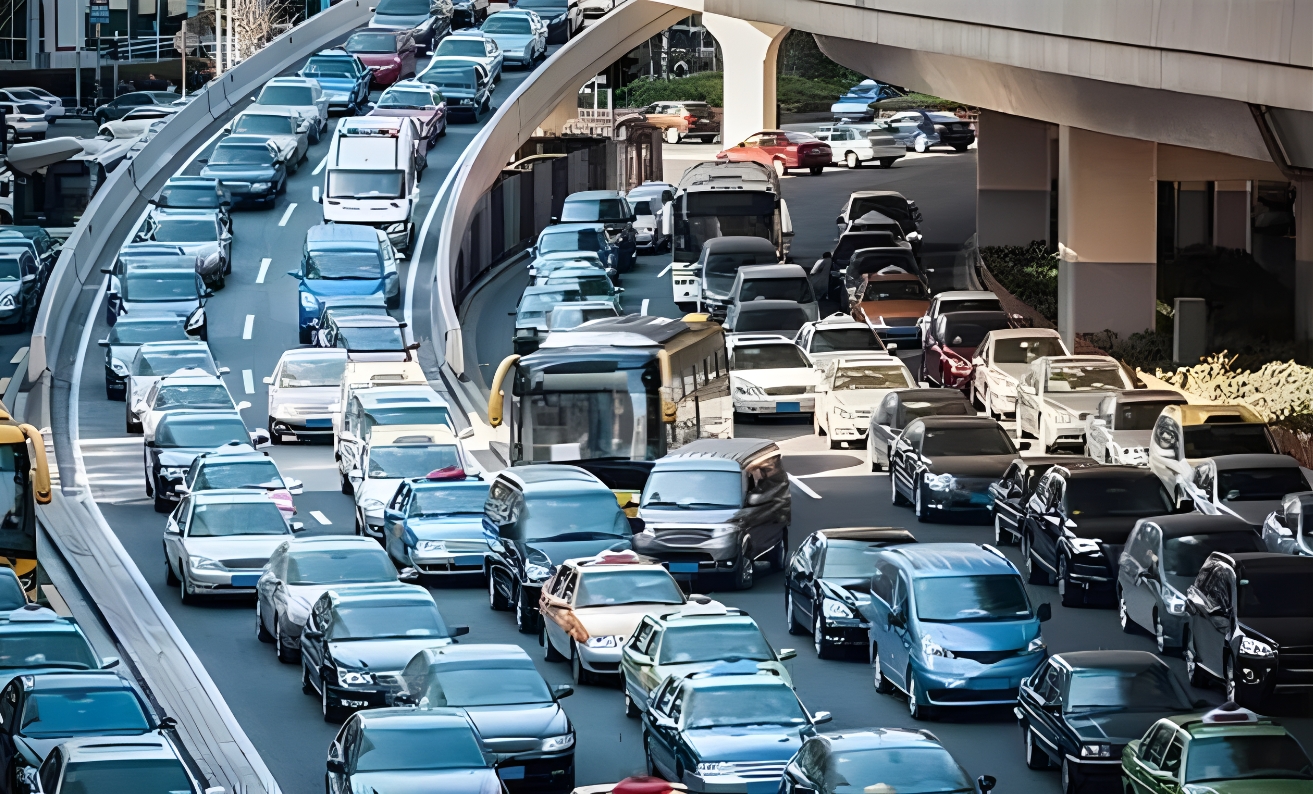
{"x": 634, "y": 489}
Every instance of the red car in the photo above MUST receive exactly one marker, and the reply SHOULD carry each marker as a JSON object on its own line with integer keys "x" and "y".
{"x": 950, "y": 343}
{"x": 781, "y": 150}
{"x": 419, "y": 101}
{"x": 390, "y": 52}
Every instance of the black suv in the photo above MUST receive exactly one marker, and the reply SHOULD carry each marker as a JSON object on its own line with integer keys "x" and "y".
{"x": 1078, "y": 520}
{"x": 1250, "y": 625}
{"x": 1013, "y": 491}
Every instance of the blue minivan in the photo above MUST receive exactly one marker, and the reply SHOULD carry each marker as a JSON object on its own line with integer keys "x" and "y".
{"x": 951, "y": 625}
{"x": 341, "y": 259}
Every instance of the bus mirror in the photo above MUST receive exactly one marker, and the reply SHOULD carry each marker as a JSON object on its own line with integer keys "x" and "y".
{"x": 496, "y": 398}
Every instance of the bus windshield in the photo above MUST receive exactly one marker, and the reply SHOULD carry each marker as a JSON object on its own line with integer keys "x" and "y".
{"x": 591, "y": 415}
{"x": 714, "y": 214}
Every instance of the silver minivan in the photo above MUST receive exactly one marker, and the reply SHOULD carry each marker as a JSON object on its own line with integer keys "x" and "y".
{"x": 772, "y": 283}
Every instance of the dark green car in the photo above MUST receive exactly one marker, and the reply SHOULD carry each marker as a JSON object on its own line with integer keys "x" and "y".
{"x": 1229, "y": 750}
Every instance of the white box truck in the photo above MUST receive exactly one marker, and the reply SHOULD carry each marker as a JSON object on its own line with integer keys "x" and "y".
{"x": 372, "y": 176}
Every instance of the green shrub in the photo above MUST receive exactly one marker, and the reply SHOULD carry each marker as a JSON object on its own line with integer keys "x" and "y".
{"x": 1029, "y": 272}
{"x": 1146, "y": 350}
{"x": 915, "y": 101}
{"x": 706, "y": 87}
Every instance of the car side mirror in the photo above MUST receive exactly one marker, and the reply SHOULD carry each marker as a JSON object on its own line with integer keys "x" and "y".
{"x": 260, "y": 438}
{"x": 986, "y": 783}
{"x": 562, "y": 691}
{"x": 104, "y": 342}
{"x": 821, "y": 717}
{"x": 167, "y": 723}
{"x": 785, "y": 654}
{"x": 268, "y": 380}
{"x": 404, "y": 699}
{"x": 336, "y": 767}
{"x": 1044, "y": 612}
{"x": 1185, "y": 506}
{"x": 182, "y": 488}
{"x": 243, "y": 405}
{"x": 29, "y": 278}
{"x": 1098, "y": 422}
{"x": 636, "y": 524}
{"x": 294, "y": 273}
{"x": 109, "y": 663}
{"x": 297, "y": 526}
{"x": 109, "y": 271}
{"x": 457, "y": 631}
{"x": 172, "y": 529}
{"x": 355, "y": 475}
{"x": 1024, "y": 445}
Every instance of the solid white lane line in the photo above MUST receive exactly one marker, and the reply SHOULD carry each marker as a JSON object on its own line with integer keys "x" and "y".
{"x": 413, "y": 269}
{"x": 802, "y": 486}
{"x": 320, "y": 167}
{"x": 643, "y": 311}
{"x": 320, "y": 517}
{"x": 22, "y": 351}
{"x": 250, "y": 325}
{"x": 287, "y": 216}
{"x": 666, "y": 270}
{"x": 248, "y": 381}
{"x": 264, "y": 268}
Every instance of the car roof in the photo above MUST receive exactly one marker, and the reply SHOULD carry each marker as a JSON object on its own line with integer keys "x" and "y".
{"x": 407, "y": 717}
{"x": 585, "y": 195}
{"x": 743, "y": 340}
{"x": 868, "y": 534}
{"x": 341, "y": 232}
{"x": 874, "y": 193}
{"x": 856, "y": 359}
{"x": 740, "y": 451}
{"x": 422, "y": 484}
{"x": 1261, "y": 562}
{"x": 370, "y": 398}
{"x": 182, "y": 345}
{"x": 230, "y": 496}
{"x": 947, "y": 421}
{"x": 79, "y": 679}
{"x": 771, "y": 271}
{"x": 1174, "y": 526}
{"x": 836, "y": 320}
{"x": 711, "y": 678}
{"x": 1108, "y": 471}
{"x": 269, "y": 110}
{"x": 1066, "y": 461}
{"x": 366, "y": 321}
{"x": 1147, "y": 395}
{"x": 482, "y": 656}
{"x": 930, "y": 395}
{"x": 312, "y": 352}
{"x": 739, "y": 244}
{"x": 552, "y": 477}
{"x": 381, "y": 594}
{"x": 291, "y": 80}
{"x": 1129, "y": 661}
{"x": 1024, "y": 333}
{"x": 762, "y": 306}
{"x": 331, "y": 542}
{"x": 952, "y": 559}
{"x": 1254, "y": 461}
{"x": 613, "y": 561}
{"x": 1188, "y": 415}
{"x": 879, "y": 738}
{"x": 117, "y": 748}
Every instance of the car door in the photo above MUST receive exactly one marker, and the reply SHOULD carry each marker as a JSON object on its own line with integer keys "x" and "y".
{"x": 1202, "y": 489}
{"x": 10, "y": 708}
{"x": 1201, "y": 604}
{"x": 1049, "y": 524}
{"x": 1171, "y": 764}
{"x": 636, "y": 662}
{"x": 562, "y": 587}
{"x": 932, "y": 352}
{"x": 1146, "y": 758}
{"x": 899, "y": 643}
{"x": 663, "y": 728}
{"x": 314, "y": 642}
{"x": 798, "y": 580}
{"x": 879, "y": 632}
{"x": 394, "y": 523}
{"x": 1028, "y": 404}
{"x": 906, "y": 454}
{"x": 748, "y": 150}
{"x": 823, "y": 398}
{"x": 880, "y": 432}
{"x": 406, "y": 50}
{"x": 175, "y": 529}
{"x": 1038, "y": 704}
{"x": 1222, "y": 592}
{"x": 1007, "y": 497}
{"x": 1137, "y": 574}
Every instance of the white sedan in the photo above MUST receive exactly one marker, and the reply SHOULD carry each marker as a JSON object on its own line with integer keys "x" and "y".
{"x": 217, "y": 542}
{"x": 24, "y": 121}
{"x": 1001, "y": 360}
{"x": 305, "y": 384}
{"x": 769, "y": 374}
{"x": 186, "y": 390}
{"x": 850, "y": 390}
{"x": 135, "y": 122}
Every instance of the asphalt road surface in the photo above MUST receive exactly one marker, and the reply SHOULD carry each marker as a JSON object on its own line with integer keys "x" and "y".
{"x": 265, "y": 695}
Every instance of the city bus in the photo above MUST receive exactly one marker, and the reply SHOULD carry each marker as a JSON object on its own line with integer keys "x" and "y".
{"x": 613, "y": 395}
{"x": 24, "y": 483}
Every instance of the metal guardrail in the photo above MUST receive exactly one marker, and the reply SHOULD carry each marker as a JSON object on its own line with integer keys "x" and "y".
{"x": 157, "y": 651}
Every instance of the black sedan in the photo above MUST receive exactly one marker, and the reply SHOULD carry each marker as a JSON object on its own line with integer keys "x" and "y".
{"x": 118, "y": 108}
{"x": 901, "y": 759}
{"x": 1014, "y": 490}
{"x": 249, "y": 169}
{"x": 944, "y": 465}
{"x": 1078, "y": 520}
{"x": 182, "y": 435}
{"x": 563, "y": 17}
{"x": 902, "y": 406}
{"x": 1080, "y": 709}
{"x": 827, "y": 580}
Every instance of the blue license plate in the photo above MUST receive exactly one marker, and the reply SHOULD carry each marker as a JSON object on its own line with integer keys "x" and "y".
{"x": 319, "y": 423}
{"x": 982, "y": 498}
{"x": 788, "y": 408}
{"x": 763, "y": 786}
{"x": 469, "y": 559}
{"x": 683, "y": 567}
{"x": 245, "y": 579}
{"x": 512, "y": 773}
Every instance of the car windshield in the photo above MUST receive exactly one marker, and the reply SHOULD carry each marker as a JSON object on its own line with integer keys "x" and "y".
{"x": 724, "y": 707}
{"x": 190, "y": 197}
{"x": 225, "y": 519}
{"x": 206, "y": 433}
{"x": 46, "y": 649}
{"x": 782, "y": 289}
{"x": 216, "y": 396}
{"x": 1184, "y": 556}
{"x": 1261, "y": 757}
{"x": 138, "y": 332}
{"x": 465, "y": 47}
{"x": 411, "y": 460}
{"x": 569, "y": 517}
{"x": 576, "y": 240}
{"x": 1099, "y": 497}
{"x": 871, "y": 377}
{"x": 365, "y": 42}
{"x": 592, "y": 287}
{"x": 748, "y": 357}
{"x": 422, "y": 414}
{"x": 448, "y": 501}
{"x": 327, "y": 67}
{"x": 261, "y": 124}
{"x": 400, "y": 98}
{"x": 344, "y": 265}
{"x": 339, "y": 566}
{"x": 239, "y": 474}
{"x": 507, "y": 23}
{"x": 11, "y": 593}
{"x": 613, "y": 588}
{"x": 490, "y": 686}
{"x": 1255, "y": 485}
{"x": 594, "y": 210}
{"x": 1150, "y": 689}
{"x": 411, "y": 748}
{"x": 537, "y": 304}
{"x": 1266, "y": 594}
{"x": 10, "y": 270}
{"x": 1085, "y": 377}
{"x": 365, "y": 184}
{"x": 721, "y": 268}
{"x": 646, "y": 207}
{"x": 140, "y": 776}
{"x": 714, "y": 642}
{"x": 1138, "y": 415}
{"x": 956, "y": 406}
{"x": 956, "y": 599}
{"x": 1023, "y": 351}
{"x": 895, "y": 291}
{"x": 241, "y": 154}
{"x": 848, "y": 559}
{"x": 1237, "y": 438}
{"x": 403, "y": 8}
{"x": 968, "y": 439}
{"x": 841, "y": 339}
{"x": 569, "y": 317}
{"x": 694, "y": 490}
{"x": 169, "y": 362}
{"x": 378, "y": 338}
{"x": 782, "y": 319}
{"x": 157, "y": 287}
{"x": 927, "y": 769}
{"x": 72, "y": 712}
{"x": 310, "y": 373}
{"x": 293, "y": 95}
{"x": 387, "y": 621}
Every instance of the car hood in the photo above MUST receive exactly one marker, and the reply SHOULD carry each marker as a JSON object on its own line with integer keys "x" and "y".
{"x": 1014, "y": 371}
{"x": 235, "y": 546}
{"x": 533, "y": 721}
{"x": 381, "y": 655}
{"x": 1131, "y": 438}
{"x": 181, "y": 308}
{"x": 617, "y": 621}
{"x": 1286, "y": 632}
{"x": 430, "y": 781}
{"x": 1253, "y": 513}
{"x": 1116, "y": 728}
{"x": 306, "y": 396}
{"x": 874, "y": 310}
{"x": 380, "y": 488}
{"x": 747, "y": 743}
{"x": 457, "y": 527}
{"x": 971, "y": 465}
{"x": 676, "y": 516}
{"x": 332, "y": 287}
{"x": 239, "y": 173}
{"x": 339, "y": 85}
{"x": 1258, "y": 786}
{"x": 568, "y": 550}
{"x": 1076, "y": 403}
{"x": 793, "y": 376}
{"x": 1109, "y": 529}
{"x": 999, "y": 635}
{"x": 860, "y": 397}
{"x": 512, "y": 41}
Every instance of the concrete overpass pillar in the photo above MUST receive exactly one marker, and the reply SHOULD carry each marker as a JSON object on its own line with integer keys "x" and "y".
{"x": 1304, "y": 265}
{"x": 1107, "y": 218}
{"x": 1231, "y": 224}
{"x": 1012, "y": 179}
{"x": 750, "y": 50}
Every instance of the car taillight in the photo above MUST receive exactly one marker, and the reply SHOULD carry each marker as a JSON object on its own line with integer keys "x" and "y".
{"x": 690, "y": 119}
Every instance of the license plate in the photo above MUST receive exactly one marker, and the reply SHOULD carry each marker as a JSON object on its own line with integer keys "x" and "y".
{"x": 683, "y": 567}
{"x": 989, "y": 683}
{"x": 512, "y": 773}
{"x": 763, "y": 786}
{"x": 469, "y": 559}
{"x": 788, "y": 408}
{"x": 245, "y": 579}
{"x": 319, "y": 423}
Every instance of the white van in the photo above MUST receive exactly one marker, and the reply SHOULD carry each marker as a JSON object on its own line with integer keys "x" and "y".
{"x": 372, "y": 175}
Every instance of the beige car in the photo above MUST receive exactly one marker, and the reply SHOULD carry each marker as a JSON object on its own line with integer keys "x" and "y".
{"x": 680, "y": 120}
{"x": 592, "y": 604}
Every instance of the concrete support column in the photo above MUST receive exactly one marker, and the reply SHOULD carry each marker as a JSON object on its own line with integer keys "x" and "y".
{"x": 1231, "y": 224}
{"x": 1012, "y": 179}
{"x": 1108, "y": 221}
{"x": 750, "y": 50}
{"x": 1304, "y": 265}
{"x": 1192, "y": 214}
{"x": 554, "y": 123}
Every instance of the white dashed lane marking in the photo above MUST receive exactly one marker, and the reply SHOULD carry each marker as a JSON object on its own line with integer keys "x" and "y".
{"x": 320, "y": 517}
{"x": 264, "y": 270}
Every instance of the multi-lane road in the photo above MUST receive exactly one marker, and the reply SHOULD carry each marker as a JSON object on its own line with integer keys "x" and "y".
{"x": 286, "y": 726}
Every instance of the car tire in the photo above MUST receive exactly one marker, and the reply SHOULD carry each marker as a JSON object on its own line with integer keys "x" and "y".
{"x": 671, "y": 135}
{"x": 888, "y": 162}
{"x": 578, "y": 674}
{"x": 184, "y": 586}
{"x": 919, "y": 506}
{"x": 647, "y": 757}
{"x": 1071, "y": 778}
{"x": 1035, "y": 573}
{"x": 132, "y": 427}
{"x": 921, "y": 145}
{"x": 795, "y": 628}
{"x": 163, "y": 505}
{"x": 170, "y": 578}
{"x": 261, "y": 633}
{"x": 745, "y": 570}
{"x": 852, "y": 160}
{"x": 895, "y": 498}
{"x": 1071, "y": 596}
{"x": 1123, "y": 616}
{"x": 1001, "y": 536}
{"x": 496, "y": 601}
{"x": 550, "y": 653}
{"x": 1195, "y": 673}
{"x": 274, "y": 438}
{"x": 332, "y": 714}
{"x": 631, "y": 708}
{"x": 914, "y": 709}
{"x": 307, "y": 686}
{"x": 345, "y": 483}
{"x": 526, "y": 614}
{"x": 824, "y": 649}
{"x": 285, "y": 654}
{"x": 780, "y": 168}
{"x": 778, "y": 557}
{"x": 882, "y": 683}
{"x": 1035, "y": 756}
{"x": 960, "y": 147}
{"x": 816, "y": 170}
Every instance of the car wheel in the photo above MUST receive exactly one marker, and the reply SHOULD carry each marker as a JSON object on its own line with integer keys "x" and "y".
{"x": 778, "y": 557}
{"x": 345, "y": 481}
{"x": 744, "y": 570}
{"x": 274, "y": 438}
{"x": 549, "y": 651}
{"x": 307, "y": 686}
{"x": 286, "y": 654}
{"x": 185, "y": 592}
{"x": 851, "y": 160}
{"x": 895, "y": 498}
{"x": 671, "y": 135}
{"x": 1036, "y": 758}
{"x": 526, "y": 614}
{"x": 919, "y": 506}
{"x": 577, "y": 671}
{"x": 631, "y": 709}
{"x": 882, "y": 684}
{"x": 1071, "y": 595}
{"x": 496, "y": 601}
{"x": 1071, "y": 778}
{"x": 816, "y": 170}
{"x": 1001, "y": 536}
{"x": 1193, "y": 671}
{"x": 1035, "y": 573}
{"x": 780, "y": 168}
{"x": 790, "y": 620}
{"x": 331, "y": 713}
{"x": 1123, "y": 616}
{"x": 915, "y": 710}
{"x": 169, "y": 578}
{"x": 960, "y": 147}
{"x": 824, "y": 648}
{"x": 647, "y": 757}
{"x": 888, "y": 162}
{"x": 133, "y": 426}
{"x": 261, "y": 633}
{"x": 921, "y": 145}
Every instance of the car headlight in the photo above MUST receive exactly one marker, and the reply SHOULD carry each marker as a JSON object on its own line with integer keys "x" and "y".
{"x": 173, "y": 472}
{"x": 1252, "y": 647}
{"x": 7, "y": 302}
{"x": 371, "y": 505}
{"x": 118, "y": 367}
{"x": 352, "y": 677}
{"x": 195, "y": 321}
{"x": 745, "y": 389}
{"x": 842, "y": 414}
{"x": 260, "y": 186}
{"x": 204, "y": 564}
{"x": 1085, "y": 545}
{"x": 606, "y": 641}
{"x": 430, "y": 546}
{"x": 396, "y": 228}
{"x": 537, "y": 567}
{"x": 715, "y": 768}
{"x": 836, "y": 609}
{"x": 931, "y": 648}
{"x": 1035, "y": 645}
{"x": 939, "y": 482}
{"x": 1062, "y": 418}
{"x": 1095, "y": 750}
{"x": 309, "y": 301}
{"x": 563, "y": 742}
{"x": 1173, "y": 601}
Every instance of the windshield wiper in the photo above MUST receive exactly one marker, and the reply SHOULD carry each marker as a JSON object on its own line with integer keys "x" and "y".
{"x": 569, "y": 536}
